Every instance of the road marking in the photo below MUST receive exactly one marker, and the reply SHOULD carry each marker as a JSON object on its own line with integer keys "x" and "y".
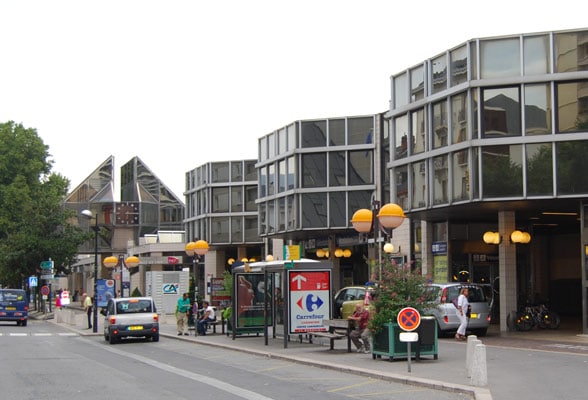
{"x": 218, "y": 384}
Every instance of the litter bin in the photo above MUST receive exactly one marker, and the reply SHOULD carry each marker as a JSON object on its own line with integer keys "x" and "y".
{"x": 428, "y": 341}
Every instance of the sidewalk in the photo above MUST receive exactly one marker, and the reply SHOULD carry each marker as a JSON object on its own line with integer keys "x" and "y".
{"x": 442, "y": 374}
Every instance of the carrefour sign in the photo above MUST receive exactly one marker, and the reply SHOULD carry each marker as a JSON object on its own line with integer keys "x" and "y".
{"x": 310, "y": 300}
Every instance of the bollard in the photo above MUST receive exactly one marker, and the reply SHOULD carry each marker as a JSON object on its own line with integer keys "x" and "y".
{"x": 471, "y": 345}
{"x": 479, "y": 372}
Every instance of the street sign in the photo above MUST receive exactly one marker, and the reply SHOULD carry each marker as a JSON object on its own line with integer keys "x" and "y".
{"x": 408, "y": 319}
{"x": 310, "y": 300}
{"x": 64, "y": 298}
{"x": 47, "y": 264}
{"x": 45, "y": 290}
{"x": 33, "y": 281}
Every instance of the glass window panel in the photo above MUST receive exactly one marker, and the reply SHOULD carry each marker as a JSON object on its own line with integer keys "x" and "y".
{"x": 459, "y": 65}
{"x": 439, "y": 66}
{"x": 502, "y": 172}
{"x": 263, "y": 148}
{"x": 459, "y": 118}
{"x": 292, "y": 136}
{"x": 502, "y": 112}
{"x": 220, "y": 172}
{"x": 314, "y": 210}
{"x": 500, "y": 58}
{"x": 537, "y": 109}
{"x": 250, "y": 171}
{"x": 337, "y": 210}
{"x": 271, "y": 145}
{"x": 440, "y": 181}
{"x": 271, "y": 177}
{"x": 417, "y": 83}
{"x": 282, "y": 176}
{"x": 236, "y": 171}
{"x": 539, "y": 161}
{"x": 291, "y": 173}
{"x": 572, "y": 165}
{"x": 418, "y": 131}
{"x": 474, "y": 59}
{"x": 336, "y": 132}
{"x": 291, "y": 213}
{"x": 440, "y": 124}
{"x": 250, "y": 197}
{"x": 282, "y": 214}
{"x": 401, "y": 186}
{"x": 571, "y": 50}
{"x": 572, "y": 107}
{"x": 401, "y": 136}
{"x": 357, "y": 199}
{"x": 219, "y": 227}
{"x": 475, "y": 175}
{"x": 536, "y": 55}
{"x": 474, "y": 114}
{"x": 251, "y": 230}
{"x": 400, "y": 90}
{"x": 262, "y": 181}
{"x": 461, "y": 176}
{"x": 220, "y": 199}
{"x": 282, "y": 141}
{"x": 272, "y": 218}
{"x": 236, "y": 229}
{"x": 262, "y": 218}
{"x": 314, "y": 170}
{"x": 236, "y": 199}
{"x": 314, "y": 134}
{"x": 361, "y": 167}
{"x": 419, "y": 185}
{"x": 337, "y": 167}
{"x": 360, "y": 130}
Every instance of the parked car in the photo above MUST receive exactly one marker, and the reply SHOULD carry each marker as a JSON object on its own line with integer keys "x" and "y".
{"x": 14, "y": 306}
{"x": 130, "y": 317}
{"x": 346, "y": 299}
{"x": 445, "y": 312}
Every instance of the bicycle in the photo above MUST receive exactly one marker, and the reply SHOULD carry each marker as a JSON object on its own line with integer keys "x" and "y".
{"x": 536, "y": 315}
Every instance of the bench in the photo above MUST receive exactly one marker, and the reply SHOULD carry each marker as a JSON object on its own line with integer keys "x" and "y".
{"x": 332, "y": 336}
{"x": 214, "y": 323}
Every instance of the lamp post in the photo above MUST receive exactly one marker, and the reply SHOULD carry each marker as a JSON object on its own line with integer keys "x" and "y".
{"x": 114, "y": 262}
{"x": 88, "y": 214}
{"x": 385, "y": 218}
{"x": 195, "y": 250}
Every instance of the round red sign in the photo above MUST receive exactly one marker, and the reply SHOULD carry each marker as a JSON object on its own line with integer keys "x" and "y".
{"x": 45, "y": 290}
{"x": 408, "y": 319}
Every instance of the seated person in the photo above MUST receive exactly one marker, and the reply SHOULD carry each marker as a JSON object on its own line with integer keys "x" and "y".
{"x": 207, "y": 316}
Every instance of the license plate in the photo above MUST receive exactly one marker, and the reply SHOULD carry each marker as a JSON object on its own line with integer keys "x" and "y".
{"x": 10, "y": 308}
{"x": 474, "y": 315}
{"x": 135, "y": 328}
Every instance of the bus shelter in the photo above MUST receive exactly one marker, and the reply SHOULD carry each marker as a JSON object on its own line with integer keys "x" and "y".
{"x": 294, "y": 293}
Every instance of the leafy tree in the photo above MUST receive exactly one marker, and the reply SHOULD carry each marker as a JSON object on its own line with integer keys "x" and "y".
{"x": 33, "y": 224}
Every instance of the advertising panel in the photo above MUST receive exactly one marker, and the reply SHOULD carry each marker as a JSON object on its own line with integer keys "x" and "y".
{"x": 310, "y": 300}
{"x": 105, "y": 291}
{"x": 250, "y": 297}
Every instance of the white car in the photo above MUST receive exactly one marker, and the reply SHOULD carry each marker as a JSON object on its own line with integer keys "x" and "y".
{"x": 130, "y": 317}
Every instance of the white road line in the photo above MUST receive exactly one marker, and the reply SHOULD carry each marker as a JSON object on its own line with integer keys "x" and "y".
{"x": 237, "y": 391}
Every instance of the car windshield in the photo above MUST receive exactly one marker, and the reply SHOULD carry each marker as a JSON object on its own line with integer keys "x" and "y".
{"x": 133, "y": 306}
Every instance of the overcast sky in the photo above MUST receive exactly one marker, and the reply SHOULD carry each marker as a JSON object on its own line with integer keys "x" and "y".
{"x": 181, "y": 83}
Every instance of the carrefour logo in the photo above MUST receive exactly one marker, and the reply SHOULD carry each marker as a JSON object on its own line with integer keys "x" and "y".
{"x": 311, "y": 303}
{"x": 171, "y": 288}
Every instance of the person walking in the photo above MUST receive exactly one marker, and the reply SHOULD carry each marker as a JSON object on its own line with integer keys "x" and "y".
{"x": 462, "y": 313}
{"x": 361, "y": 316}
{"x": 87, "y": 303}
{"x": 182, "y": 314}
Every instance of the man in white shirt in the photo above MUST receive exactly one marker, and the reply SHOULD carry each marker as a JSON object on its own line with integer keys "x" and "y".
{"x": 207, "y": 316}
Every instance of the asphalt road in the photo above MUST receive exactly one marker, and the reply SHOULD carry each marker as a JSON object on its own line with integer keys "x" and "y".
{"x": 45, "y": 360}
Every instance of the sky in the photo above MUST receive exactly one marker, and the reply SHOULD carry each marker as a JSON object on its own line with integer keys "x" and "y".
{"x": 180, "y": 83}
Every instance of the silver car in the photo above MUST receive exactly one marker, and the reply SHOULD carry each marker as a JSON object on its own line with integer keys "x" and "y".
{"x": 130, "y": 317}
{"x": 445, "y": 312}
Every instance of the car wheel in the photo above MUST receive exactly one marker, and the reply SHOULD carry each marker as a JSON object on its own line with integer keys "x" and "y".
{"x": 155, "y": 338}
{"x": 111, "y": 339}
{"x": 23, "y": 323}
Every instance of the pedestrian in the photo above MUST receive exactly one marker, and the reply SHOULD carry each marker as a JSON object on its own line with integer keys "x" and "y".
{"x": 463, "y": 307}
{"x": 87, "y": 302}
{"x": 182, "y": 314}
{"x": 207, "y": 316}
{"x": 360, "y": 336}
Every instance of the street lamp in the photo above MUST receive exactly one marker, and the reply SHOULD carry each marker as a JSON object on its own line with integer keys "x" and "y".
{"x": 376, "y": 220}
{"x": 195, "y": 250}
{"x": 114, "y": 262}
{"x": 88, "y": 214}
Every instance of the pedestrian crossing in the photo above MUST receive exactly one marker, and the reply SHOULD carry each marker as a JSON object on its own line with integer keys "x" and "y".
{"x": 37, "y": 334}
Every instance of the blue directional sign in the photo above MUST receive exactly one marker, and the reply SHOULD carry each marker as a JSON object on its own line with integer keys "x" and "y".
{"x": 33, "y": 281}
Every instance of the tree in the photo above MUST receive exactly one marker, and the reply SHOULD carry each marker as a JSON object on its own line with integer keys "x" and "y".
{"x": 33, "y": 224}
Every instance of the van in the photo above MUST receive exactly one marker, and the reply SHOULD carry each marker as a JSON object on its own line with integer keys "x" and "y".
{"x": 130, "y": 317}
{"x": 14, "y": 306}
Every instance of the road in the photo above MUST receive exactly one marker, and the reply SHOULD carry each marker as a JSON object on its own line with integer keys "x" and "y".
{"x": 44, "y": 360}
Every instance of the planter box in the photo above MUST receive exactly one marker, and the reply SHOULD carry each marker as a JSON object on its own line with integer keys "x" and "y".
{"x": 387, "y": 341}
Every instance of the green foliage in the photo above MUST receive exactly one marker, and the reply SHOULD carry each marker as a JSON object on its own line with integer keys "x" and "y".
{"x": 228, "y": 282}
{"x": 398, "y": 287}
{"x": 33, "y": 224}
{"x": 136, "y": 292}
